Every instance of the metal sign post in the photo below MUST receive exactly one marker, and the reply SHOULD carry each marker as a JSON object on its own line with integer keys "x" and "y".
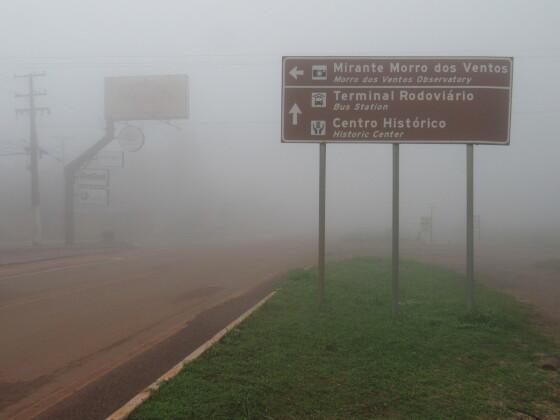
{"x": 431, "y": 225}
{"x": 470, "y": 230}
{"x": 395, "y": 252}
{"x": 322, "y": 200}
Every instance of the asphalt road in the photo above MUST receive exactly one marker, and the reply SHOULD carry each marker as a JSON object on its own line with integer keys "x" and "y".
{"x": 70, "y": 327}
{"x": 67, "y": 322}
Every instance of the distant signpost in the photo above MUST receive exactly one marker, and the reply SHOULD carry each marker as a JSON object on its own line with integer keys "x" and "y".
{"x": 412, "y": 100}
{"x": 127, "y": 98}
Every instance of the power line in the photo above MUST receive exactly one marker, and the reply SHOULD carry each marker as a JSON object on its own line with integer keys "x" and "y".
{"x": 541, "y": 52}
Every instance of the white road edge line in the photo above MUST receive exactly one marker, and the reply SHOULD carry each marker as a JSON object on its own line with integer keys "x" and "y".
{"x": 123, "y": 412}
{"x": 52, "y": 270}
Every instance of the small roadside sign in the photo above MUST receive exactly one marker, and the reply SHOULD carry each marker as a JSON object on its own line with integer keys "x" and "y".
{"x": 131, "y": 138}
{"x": 93, "y": 196}
{"x": 93, "y": 177}
{"x": 107, "y": 159}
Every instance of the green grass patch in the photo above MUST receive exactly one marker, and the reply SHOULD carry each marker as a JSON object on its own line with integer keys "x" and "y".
{"x": 351, "y": 360}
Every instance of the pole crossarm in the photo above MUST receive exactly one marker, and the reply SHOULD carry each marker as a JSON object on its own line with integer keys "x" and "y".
{"x": 27, "y": 95}
{"x": 28, "y": 75}
{"x": 20, "y": 111}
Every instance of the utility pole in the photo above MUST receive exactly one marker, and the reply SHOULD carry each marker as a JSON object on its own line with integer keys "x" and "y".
{"x": 32, "y": 111}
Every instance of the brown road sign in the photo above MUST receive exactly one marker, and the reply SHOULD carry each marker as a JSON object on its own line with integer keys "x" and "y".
{"x": 396, "y": 99}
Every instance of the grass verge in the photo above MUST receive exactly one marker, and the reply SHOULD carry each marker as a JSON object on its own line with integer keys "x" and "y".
{"x": 350, "y": 359}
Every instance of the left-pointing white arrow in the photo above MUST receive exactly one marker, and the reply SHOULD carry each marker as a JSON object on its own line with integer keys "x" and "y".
{"x": 294, "y": 111}
{"x": 295, "y": 72}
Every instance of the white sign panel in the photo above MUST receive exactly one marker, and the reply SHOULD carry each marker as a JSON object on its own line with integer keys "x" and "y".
{"x": 146, "y": 97}
{"x": 131, "y": 138}
{"x": 93, "y": 177}
{"x": 93, "y": 196}
{"x": 107, "y": 159}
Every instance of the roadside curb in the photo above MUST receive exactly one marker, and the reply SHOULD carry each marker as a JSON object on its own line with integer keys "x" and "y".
{"x": 123, "y": 412}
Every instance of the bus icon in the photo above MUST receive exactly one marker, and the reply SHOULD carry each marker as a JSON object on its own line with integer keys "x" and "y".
{"x": 319, "y": 100}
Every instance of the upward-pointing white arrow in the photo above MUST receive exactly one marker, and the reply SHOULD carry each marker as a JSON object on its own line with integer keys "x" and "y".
{"x": 295, "y": 72}
{"x": 294, "y": 111}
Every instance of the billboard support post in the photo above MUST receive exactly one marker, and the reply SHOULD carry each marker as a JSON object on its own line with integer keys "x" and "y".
{"x": 470, "y": 229}
{"x": 395, "y": 250}
{"x": 69, "y": 179}
{"x": 322, "y": 191}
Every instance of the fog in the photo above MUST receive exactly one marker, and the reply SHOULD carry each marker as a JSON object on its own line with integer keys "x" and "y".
{"x": 214, "y": 214}
{"x": 223, "y": 172}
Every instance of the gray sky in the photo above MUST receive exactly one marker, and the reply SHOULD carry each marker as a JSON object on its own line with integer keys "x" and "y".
{"x": 227, "y": 161}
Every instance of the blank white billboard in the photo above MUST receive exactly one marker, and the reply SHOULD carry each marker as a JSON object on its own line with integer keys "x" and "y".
{"x": 162, "y": 97}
